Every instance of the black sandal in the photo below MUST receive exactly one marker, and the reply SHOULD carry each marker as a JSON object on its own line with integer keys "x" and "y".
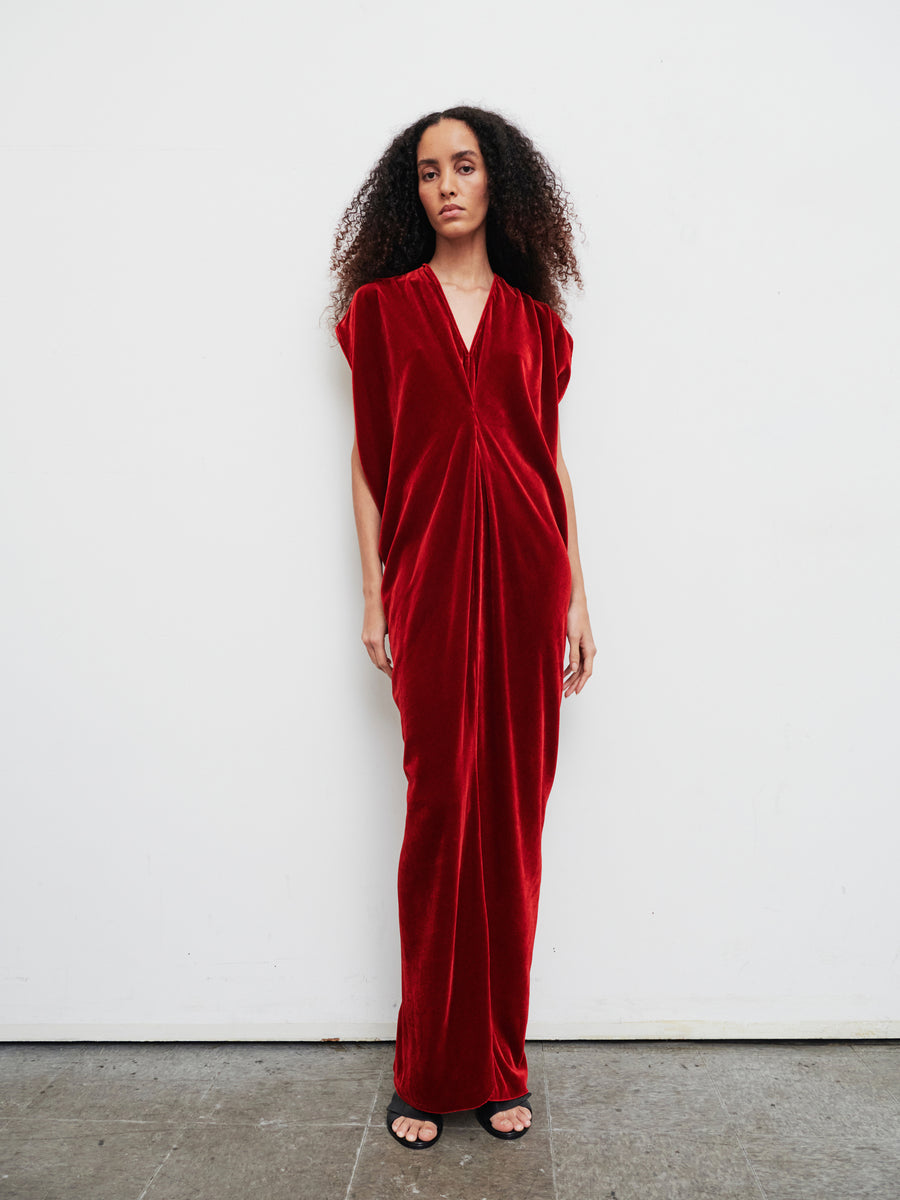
{"x": 492, "y": 1107}
{"x": 399, "y": 1108}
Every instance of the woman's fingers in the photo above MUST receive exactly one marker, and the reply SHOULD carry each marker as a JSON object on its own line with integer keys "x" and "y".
{"x": 381, "y": 660}
{"x": 581, "y": 662}
{"x": 373, "y": 640}
{"x": 574, "y": 654}
{"x": 588, "y": 652}
{"x": 573, "y": 670}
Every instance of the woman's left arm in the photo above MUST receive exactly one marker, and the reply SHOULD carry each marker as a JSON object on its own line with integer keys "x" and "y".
{"x": 578, "y": 623}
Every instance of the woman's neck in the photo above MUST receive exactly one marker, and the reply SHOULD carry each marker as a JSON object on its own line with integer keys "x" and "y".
{"x": 462, "y": 261}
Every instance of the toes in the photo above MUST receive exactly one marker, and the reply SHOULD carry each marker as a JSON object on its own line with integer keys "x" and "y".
{"x": 515, "y": 1118}
{"x": 414, "y": 1130}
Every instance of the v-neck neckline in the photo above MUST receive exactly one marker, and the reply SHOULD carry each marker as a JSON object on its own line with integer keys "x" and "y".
{"x": 467, "y": 350}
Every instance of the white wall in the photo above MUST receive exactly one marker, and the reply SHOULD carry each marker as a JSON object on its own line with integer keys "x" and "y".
{"x": 203, "y": 792}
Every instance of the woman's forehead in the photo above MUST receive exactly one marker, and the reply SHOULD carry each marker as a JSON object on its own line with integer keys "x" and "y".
{"x": 449, "y": 136}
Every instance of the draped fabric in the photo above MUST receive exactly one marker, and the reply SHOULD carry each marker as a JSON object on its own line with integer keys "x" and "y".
{"x": 459, "y": 450}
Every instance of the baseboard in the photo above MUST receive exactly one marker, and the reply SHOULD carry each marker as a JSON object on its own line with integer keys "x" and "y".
{"x": 320, "y": 1031}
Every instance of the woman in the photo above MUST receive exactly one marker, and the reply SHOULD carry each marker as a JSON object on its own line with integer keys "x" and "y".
{"x": 447, "y": 307}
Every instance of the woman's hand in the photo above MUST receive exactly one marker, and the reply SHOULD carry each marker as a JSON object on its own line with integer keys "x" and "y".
{"x": 581, "y": 648}
{"x": 578, "y": 623}
{"x": 374, "y": 633}
{"x": 368, "y": 529}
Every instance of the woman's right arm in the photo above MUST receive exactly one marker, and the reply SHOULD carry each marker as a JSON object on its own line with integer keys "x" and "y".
{"x": 368, "y": 527}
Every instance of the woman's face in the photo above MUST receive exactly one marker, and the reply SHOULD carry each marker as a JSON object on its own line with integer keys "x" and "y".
{"x": 453, "y": 184}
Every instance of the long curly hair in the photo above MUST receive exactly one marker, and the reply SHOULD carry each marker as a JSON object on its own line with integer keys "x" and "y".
{"x": 385, "y": 231}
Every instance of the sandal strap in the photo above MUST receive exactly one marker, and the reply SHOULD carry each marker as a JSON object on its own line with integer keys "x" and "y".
{"x": 401, "y": 1109}
{"x": 491, "y": 1107}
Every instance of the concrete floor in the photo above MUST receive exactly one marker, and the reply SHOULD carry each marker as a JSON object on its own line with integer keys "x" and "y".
{"x": 612, "y": 1121}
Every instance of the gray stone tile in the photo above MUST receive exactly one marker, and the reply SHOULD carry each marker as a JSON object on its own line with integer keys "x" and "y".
{"x": 814, "y": 1091}
{"x": 164, "y": 1102}
{"x": 23, "y": 1077}
{"x": 611, "y": 1087}
{"x": 113, "y": 1061}
{"x": 198, "y": 1060}
{"x": 750, "y": 1054}
{"x": 282, "y": 1099}
{"x": 51, "y": 1160}
{"x": 883, "y": 1063}
{"x": 652, "y": 1166}
{"x": 304, "y": 1060}
{"x": 633, "y": 1120}
{"x": 467, "y": 1120}
{"x": 464, "y": 1163}
{"x": 45, "y": 1053}
{"x": 271, "y": 1162}
{"x": 793, "y": 1167}
{"x": 876, "y": 1046}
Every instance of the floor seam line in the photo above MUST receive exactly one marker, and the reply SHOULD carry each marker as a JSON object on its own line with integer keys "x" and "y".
{"x": 737, "y": 1132}
{"x": 153, "y": 1177}
{"x": 549, "y": 1123}
{"x": 362, "y": 1140}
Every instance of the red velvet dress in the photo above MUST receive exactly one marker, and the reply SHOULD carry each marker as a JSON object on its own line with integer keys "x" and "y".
{"x": 459, "y": 450}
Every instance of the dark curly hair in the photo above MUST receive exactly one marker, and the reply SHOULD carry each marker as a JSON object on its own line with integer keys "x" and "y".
{"x": 385, "y": 231}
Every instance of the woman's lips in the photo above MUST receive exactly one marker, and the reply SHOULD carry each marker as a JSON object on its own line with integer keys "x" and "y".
{"x": 450, "y": 211}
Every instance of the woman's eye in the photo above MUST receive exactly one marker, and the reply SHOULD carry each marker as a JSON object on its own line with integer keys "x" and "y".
{"x": 427, "y": 175}
{"x": 467, "y": 167}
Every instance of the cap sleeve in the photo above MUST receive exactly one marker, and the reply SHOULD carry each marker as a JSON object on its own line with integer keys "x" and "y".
{"x": 361, "y": 336}
{"x": 562, "y": 348}
{"x": 345, "y": 329}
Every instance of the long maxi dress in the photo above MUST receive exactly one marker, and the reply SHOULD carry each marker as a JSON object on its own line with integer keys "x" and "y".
{"x": 458, "y": 448}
